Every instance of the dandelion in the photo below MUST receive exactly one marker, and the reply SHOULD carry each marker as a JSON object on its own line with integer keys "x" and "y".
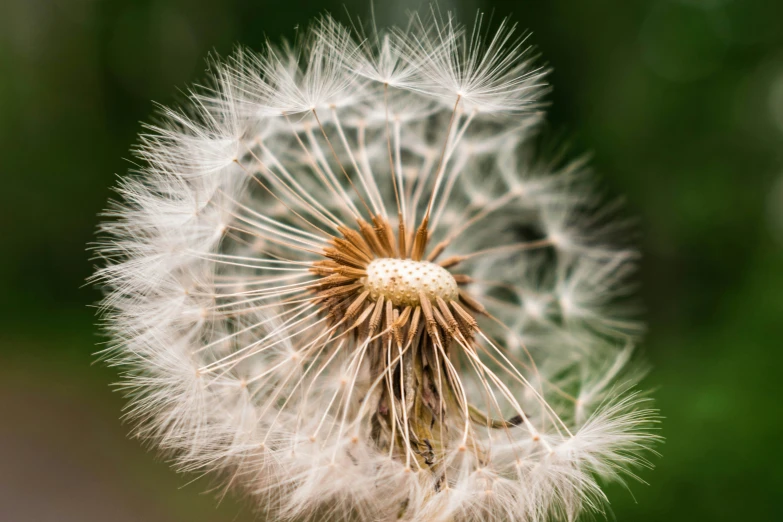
{"x": 344, "y": 283}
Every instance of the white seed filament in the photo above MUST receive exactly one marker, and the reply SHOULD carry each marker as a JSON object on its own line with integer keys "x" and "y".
{"x": 401, "y": 281}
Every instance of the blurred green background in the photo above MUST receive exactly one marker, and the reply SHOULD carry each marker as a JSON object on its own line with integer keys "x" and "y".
{"x": 680, "y": 102}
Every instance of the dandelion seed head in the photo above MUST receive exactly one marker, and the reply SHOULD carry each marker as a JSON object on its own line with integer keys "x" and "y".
{"x": 343, "y": 281}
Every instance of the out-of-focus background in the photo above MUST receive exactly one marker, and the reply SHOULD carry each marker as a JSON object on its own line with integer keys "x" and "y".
{"x": 679, "y": 101}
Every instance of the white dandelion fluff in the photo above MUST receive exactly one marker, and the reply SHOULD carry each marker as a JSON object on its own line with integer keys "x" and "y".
{"x": 345, "y": 284}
